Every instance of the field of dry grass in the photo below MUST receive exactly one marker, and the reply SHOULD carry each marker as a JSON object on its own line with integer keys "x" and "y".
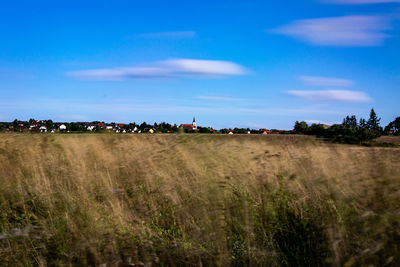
{"x": 389, "y": 139}
{"x": 195, "y": 200}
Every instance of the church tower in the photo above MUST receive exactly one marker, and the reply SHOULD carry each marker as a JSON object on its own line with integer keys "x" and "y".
{"x": 194, "y": 123}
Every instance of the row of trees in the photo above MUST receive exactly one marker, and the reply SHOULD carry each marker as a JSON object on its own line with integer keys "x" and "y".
{"x": 351, "y": 130}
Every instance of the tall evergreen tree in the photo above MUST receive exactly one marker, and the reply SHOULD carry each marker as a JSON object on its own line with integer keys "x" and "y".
{"x": 350, "y": 122}
{"x": 362, "y": 124}
{"x": 373, "y": 121}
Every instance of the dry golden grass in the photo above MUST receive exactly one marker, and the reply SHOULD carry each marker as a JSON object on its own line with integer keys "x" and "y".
{"x": 389, "y": 139}
{"x": 89, "y": 199}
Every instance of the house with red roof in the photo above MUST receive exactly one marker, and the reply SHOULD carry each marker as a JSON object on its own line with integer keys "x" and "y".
{"x": 264, "y": 131}
{"x": 189, "y": 127}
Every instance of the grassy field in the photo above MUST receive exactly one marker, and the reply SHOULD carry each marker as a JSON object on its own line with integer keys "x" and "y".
{"x": 389, "y": 140}
{"x": 196, "y": 200}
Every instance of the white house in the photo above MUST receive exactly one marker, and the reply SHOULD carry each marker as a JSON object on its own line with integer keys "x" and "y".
{"x": 91, "y": 127}
{"x": 43, "y": 129}
{"x": 62, "y": 127}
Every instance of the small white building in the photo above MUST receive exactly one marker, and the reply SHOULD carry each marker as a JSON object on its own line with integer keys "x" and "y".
{"x": 91, "y": 127}
{"x": 62, "y": 127}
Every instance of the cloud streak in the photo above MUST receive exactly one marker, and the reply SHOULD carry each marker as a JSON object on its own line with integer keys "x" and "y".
{"x": 338, "y": 31}
{"x": 325, "y": 81}
{"x": 332, "y": 95}
{"x": 164, "y": 69}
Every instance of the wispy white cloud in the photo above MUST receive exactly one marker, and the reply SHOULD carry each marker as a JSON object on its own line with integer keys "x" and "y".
{"x": 168, "y": 68}
{"x": 332, "y": 95}
{"x": 360, "y": 2}
{"x": 338, "y": 31}
{"x": 173, "y": 35}
{"x": 325, "y": 81}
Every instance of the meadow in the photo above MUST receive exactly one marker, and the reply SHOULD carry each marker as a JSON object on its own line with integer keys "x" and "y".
{"x": 196, "y": 200}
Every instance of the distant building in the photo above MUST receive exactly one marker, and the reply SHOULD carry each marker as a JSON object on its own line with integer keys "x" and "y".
{"x": 62, "y": 127}
{"x": 189, "y": 127}
{"x": 264, "y": 131}
{"x": 91, "y": 127}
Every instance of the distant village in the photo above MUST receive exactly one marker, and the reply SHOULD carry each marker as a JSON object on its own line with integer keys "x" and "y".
{"x": 48, "y": 126}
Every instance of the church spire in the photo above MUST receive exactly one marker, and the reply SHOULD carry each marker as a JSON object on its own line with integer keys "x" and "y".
{"x": 194, "y": 122}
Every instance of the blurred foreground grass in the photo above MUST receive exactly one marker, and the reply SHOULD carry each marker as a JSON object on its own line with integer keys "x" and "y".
{"x": 196, "y": 200}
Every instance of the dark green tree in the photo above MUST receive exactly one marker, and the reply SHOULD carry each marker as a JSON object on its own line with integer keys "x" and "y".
{"x": 317, "y": 129}
{"x": 144, "y": 125}
{"x": 301, "y": 127}
{"x": 393, "y": 127}
{"x": 49, "y": 125}
{"x": 350, "y": 122}
{"x": 362, "y": 124}
{"x": 204, "y": 129}
{"x": 373, "y": 121}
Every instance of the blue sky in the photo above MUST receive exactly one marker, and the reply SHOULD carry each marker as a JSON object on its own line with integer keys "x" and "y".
{"x": 229, "y": 63}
